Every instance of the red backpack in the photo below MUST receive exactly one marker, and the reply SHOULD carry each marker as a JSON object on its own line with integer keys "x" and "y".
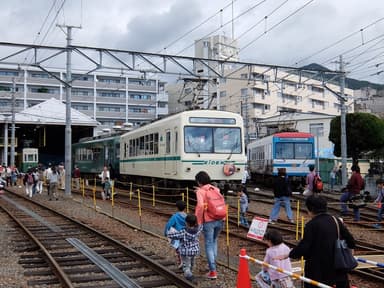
{"x": 216, "y": 208}
{"x": 317, "y": 184}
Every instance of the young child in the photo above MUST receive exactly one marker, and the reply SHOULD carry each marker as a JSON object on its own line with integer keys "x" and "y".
{"x": 107, "y": 188}
{"x": 276, "y": 248}
{"x": 380, "y": 202}
{"x": 189, "y": 244}
{"x": 176, "y": 222}
{"x": 243, "y": 205}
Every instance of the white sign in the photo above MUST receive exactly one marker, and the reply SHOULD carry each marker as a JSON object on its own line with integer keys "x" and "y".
{"x": 258, "y": 228}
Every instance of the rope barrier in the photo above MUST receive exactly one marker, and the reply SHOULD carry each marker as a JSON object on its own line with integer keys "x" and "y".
{"x": 289, "y": 273}
{"x": 377, "y": 264}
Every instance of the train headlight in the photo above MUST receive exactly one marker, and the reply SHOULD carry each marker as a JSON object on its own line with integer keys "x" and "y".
{"x": 229, "y": 169}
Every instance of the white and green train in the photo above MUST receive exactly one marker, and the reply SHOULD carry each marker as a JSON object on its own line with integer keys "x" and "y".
{"x": 179, "y": 146}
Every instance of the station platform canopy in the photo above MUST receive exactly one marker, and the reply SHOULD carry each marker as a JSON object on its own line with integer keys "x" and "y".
{"x": 50, "y": 112}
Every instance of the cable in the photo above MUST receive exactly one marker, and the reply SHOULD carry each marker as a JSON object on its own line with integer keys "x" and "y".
{"x": 52, "y": 22}
{"x": 339, "y": 41}
{"x": 226, "y": 23}
{"x": 259, "y": 22}
{"x": 353, "y": 49}
{"x": 41, "y": 29}
{"x": 196, "y": 27}
{"x": 277, "y": 24}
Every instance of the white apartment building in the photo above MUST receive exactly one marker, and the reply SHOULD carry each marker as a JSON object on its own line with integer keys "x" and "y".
{"x": 265, "y": 93}
{"x": 257, "y": 93}
{"x": 107, "y": 98}
{"x": 370, "y": 100}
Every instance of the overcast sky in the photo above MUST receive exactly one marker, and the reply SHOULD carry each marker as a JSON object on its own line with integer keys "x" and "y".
{"x": 278, "y": 32}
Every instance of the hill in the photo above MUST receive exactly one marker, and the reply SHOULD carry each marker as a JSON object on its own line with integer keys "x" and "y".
{"x": 349, "y": 82}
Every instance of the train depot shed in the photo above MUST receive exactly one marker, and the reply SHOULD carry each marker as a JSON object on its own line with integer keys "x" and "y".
{"x": 42, "y": 126}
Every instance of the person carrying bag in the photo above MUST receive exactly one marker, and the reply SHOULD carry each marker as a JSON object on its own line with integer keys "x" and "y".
{"x": 344, "y": 260}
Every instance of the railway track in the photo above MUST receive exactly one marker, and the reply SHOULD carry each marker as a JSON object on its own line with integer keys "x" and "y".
{"x": 62, "y": 252}
{"x": 238, "y": 233}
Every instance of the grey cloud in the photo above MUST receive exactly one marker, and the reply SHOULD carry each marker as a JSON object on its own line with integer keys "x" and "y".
{"x": 151, "y": 32}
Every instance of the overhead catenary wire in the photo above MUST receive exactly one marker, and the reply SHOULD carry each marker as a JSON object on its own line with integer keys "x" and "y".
{"x": 41, "y": 29}
{"x": 352, "y": 49}
{"x": 274, "y": 26}
{"x": 226, "y": 23}
{"x": 259, "y": 22}
{"x": 339, "y": 41}
{"x": 196, "y": 27}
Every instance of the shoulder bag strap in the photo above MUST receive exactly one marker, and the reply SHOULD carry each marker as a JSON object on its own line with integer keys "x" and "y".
{"x": 337, "y": 226}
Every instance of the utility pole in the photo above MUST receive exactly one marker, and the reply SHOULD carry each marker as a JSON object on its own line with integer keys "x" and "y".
{"x": 68, "y": 121}
{"x": 13, "y": 123}
{"x": 245, "y": 115}
{"x": 343, "y": 125}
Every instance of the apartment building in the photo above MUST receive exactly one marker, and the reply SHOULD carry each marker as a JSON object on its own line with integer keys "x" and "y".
{"x": 107, "y": 98}
{"x": 263, "y": 94}
{"x": 257, "y": 93}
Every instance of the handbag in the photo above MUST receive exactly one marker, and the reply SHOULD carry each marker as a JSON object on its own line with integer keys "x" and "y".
{"x": 356, "y": 202}
{"x": 344, "y": 260}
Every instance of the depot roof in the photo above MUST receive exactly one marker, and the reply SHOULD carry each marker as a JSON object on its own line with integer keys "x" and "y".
{"x": 51, "y": 112}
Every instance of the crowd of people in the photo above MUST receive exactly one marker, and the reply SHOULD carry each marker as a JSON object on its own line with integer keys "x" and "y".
{"x": 184, "y": 229}
{"x": 36, "y": 179}
{"x": 52, "y": 177}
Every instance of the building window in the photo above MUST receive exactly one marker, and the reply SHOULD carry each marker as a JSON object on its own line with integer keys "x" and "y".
{"x": 80, "y": 107}
{"x": 111, "y": 94}
{"x": 109, "y": 80}
{"x": 80, "y": 93}
{"x": 146, "y": 97}
{"x": 40, "y": 75}
{"x": 8, "y": 73}
{"x": 316, "y": 129}
{"x": 105, "y": 108}
{"x": 244, "y": 92}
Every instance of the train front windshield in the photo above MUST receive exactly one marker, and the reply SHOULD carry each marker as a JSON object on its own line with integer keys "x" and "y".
{"x": 212, "y": 140}
{"x": 293, "y": 150}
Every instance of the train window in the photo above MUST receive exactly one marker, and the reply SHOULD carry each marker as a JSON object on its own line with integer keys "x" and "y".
{"x": 293, "y": 150}
{"x": 303, "y": 150}
{"x": 117, "y": 151}
{"x": 212, "y": 140}
{"x": 96, "y": 153}
{"x": 284, "y": 150}
{"x": 198, "y": 140}
{"x": 168, "y": 142}
{"x": 156, "y": 143}
{"x": 140, "y": 149}
{"x": 227, "y": 140}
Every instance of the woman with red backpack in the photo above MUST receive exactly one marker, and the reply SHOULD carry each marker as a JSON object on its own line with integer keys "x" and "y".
{"x": 210, "y": 212}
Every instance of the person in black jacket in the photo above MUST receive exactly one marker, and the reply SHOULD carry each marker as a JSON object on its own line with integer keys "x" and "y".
{"x": 318, "y": 245}
{"x": 282, "y": 196}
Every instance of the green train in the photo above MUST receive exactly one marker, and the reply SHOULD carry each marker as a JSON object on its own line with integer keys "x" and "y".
{"x": 92, "y": 154}
{"x": 170, "y": 151}
{"x": 30, "y": 159}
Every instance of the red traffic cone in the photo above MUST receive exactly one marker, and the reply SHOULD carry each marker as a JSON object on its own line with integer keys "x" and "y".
{"x": 243, "y": 279}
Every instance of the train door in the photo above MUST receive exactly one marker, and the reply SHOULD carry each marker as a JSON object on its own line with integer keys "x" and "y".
{"x": 176, "y": 151}
{"x": 169, "y": 161}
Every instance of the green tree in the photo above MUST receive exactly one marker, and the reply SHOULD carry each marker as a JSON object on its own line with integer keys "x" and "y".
{"x": 365, "y": 133}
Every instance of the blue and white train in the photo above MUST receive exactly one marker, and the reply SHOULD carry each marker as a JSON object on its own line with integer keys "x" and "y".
{"x": 294, "y": 151}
